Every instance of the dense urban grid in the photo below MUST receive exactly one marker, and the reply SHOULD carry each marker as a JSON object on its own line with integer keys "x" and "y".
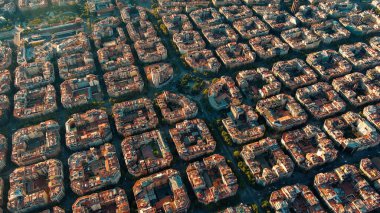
{"x": 230, "y": 106}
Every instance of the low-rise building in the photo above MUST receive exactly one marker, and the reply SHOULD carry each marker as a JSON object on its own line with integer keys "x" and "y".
{"x": 88, "y": 129}
{"x": 206, "y": 17}
{"x": 258, "y": 83}
{"x": 176, "y": 107}
{"x": 124, "y": 81}
{"x": 151, "y": 50}
{"x": 36, "y": 186}
{"x": 280, "y": 20}
{"x": 163, "y": 191}
{"x": 203, "y": 61}
{"x": 261, "y": 7}
{"x": 234, "y": 55}
{"x": 79, "y": 43}
{"x": 330, "y": 31}
{"x": 250, "y": 27}
{"x": 113, "y": 57}
{"x": 321, "y": 100}
{"x": 76, "y": 65}
{"x": 371, "y": 170}
{"x": 219, "y": 35}
{"x": 223, "y": 93}
{"x": 296, "y": 198}
{"x": 182, "y": 3}
{"x": 5, "y": 81}
{"x": 100, "y": 7}
{"x": 146, "y": 153}
{"x": 358, "y": 89}
{"x": 329, "y": 64}
{"x": 241, "y": 208}
{"x": 242, "y": 125}
{"x": 260, "y": 2}
{"x": 159, "y": 74}
{"x": 341, "y": 8}
{"x": 5, "y": 57}
{"x": 294, "y": 73}
{"x": 115, "y": 198}
{"x": 141, "y": 30}
{"x": 134, "y": 117}
{"x": 168, "y": 10}
{"x": 54, "y": 209}
{"x": 360, "y": 55}
{"x": 176, "y": 23}
{"x": 5, "y": 106}
{"x": 236, "y": 12}
{"x": 269, "y": 46}
{"x": 309, "y": 147}
{"x": 345, "y": 190}
{"x": 266, "y": 161}
{"x": 38, "y": 51}
{"x": 192, "y": 139}
{"x": 81, "y": 91}
{"x": 187, "y": 41}
{"x": 36, "y": 143}
{"x": 372, "y": 114}
{"x": 35, "y": 102}
{"x": 310, "y": 14}
{"x": 133, "y": 14}
{"x": 3, "y": 156}
{"x": 94, "y": 169}
{"x": 362, "y": 23}
{"x": 375, "y": 43}
{"x": 301, "y": 38}
{"x": 25, "y": 5}
{"x": 352, "y": 132}
{"x": 212, "y": 179}
{"x": 108, "y": 32}
{"x": 281, "y": 112}
{"x": 219, "y": 3}
{"x": 7, "y": 7}
{"x": 34, "y": 75}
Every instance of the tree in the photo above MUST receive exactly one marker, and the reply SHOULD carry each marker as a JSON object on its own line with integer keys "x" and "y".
{"x": 255, "y": 208}
{"x": 265, "y": 204}
{"x": 236, "y": 153}
{"x": 164, "y": 29}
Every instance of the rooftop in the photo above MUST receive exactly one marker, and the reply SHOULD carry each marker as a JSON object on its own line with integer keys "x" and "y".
{"x": 345, "y": 189}
{"x": 134, "y": 117}
{"x": 35, "y": 102}
{"x": 146, "y": 153}
{"x": 176, "y": 107}
{"x": 309, "y": 147}
{"x": 88, "y": 129}
{"x": 352, "y": 132}
{"x": 94, "y": 169}
{"x": 192, "y": 139}
{"x": 212, "y": 179}
{"x": 124, "y": 81}
{"x": 108, "y": 200}
{"x": 39, "y": 185}
{"x": 281, "y": 112}
{"x": 321, "y": 100}
{"x": 163, "y": 191}
{"x": 266, "y": 161}
{"x": 242, "y": 125}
